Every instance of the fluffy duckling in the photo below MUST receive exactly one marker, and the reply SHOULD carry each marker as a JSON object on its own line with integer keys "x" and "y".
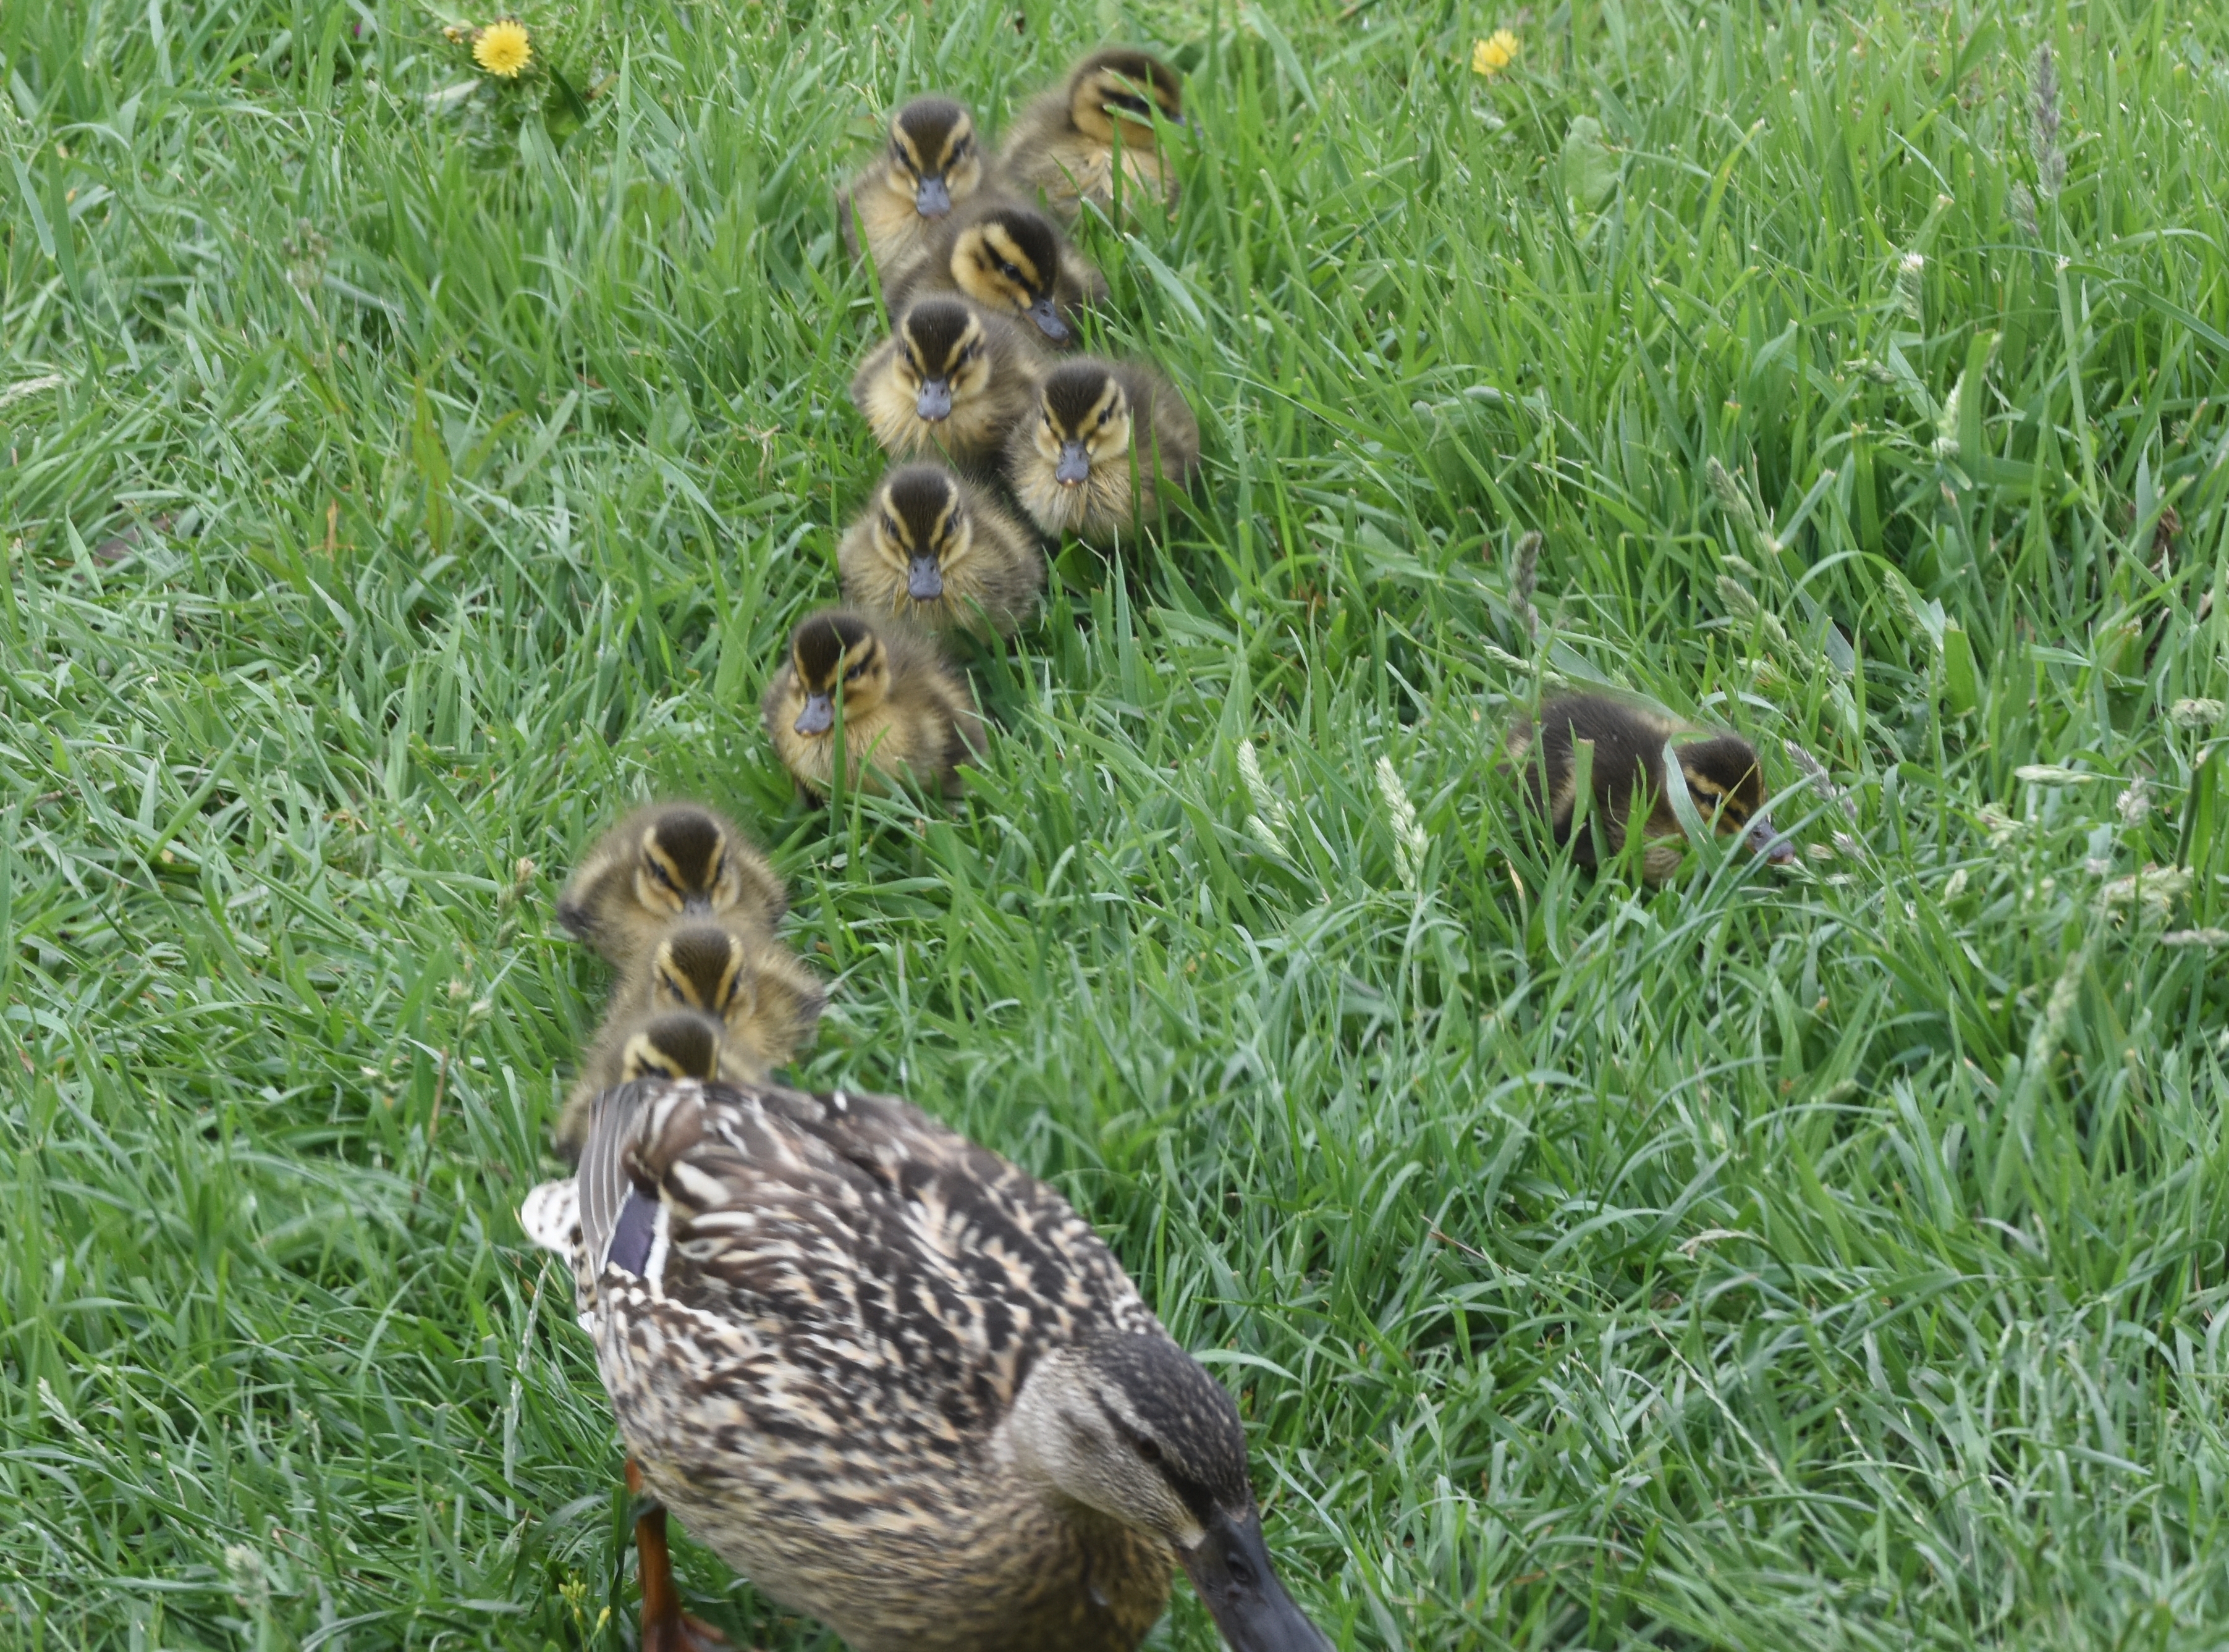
{"x": 1063, "y": 143}
{"x": 897, "y": 1382}
{"x": 952, "y": 379}
{"x": 934, "y": 164}
{"x": 1720, "y": 771}
{"x": 935, "y": 551}
{"x": 760, "y": 999}
{"x": 1011, "y": 260}
{"x": 660, "y": 864}
{"x": 905, "y": 715}
{"x": 1105, "y": 437}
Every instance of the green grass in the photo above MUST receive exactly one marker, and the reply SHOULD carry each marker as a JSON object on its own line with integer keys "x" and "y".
{"x": 1829, "y": 1259}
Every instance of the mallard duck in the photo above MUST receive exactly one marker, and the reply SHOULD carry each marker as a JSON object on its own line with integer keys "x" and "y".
{"x": 761, "y": 999}
{"x": 1720, "y": 771}
{"x": 951, "y": 379}
{"x": 936, "y": 551}
{"x": 659, "y": 863}
{"x": 1063, "y": 143}
{"x": 904, "y": 712}
{"x": 1010, "y": 259}
{"x": 898, "y": 1383}
{"x": 1103, "y": 439}
{"x": 675, "y": 1044}
{"x": 934, "y": 164}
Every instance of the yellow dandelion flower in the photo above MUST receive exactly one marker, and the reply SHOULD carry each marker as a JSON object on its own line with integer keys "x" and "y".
{"x": 504, "y": 49}
{"x": 1494, "y": 54}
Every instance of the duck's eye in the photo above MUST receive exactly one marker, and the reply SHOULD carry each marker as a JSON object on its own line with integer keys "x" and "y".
{"x": 1241, "y": 1573}
{"x": 855, "y": 672}
{"x": 1149, "y": 1449}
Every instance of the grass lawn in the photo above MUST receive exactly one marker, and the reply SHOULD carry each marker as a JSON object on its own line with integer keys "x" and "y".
{"x": 399, "y": 479}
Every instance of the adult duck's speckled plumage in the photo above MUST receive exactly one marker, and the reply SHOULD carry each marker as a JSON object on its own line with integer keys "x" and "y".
{"x": 899, "y": 1383}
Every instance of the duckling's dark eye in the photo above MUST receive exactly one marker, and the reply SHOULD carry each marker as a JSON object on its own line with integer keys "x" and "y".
{"x": 1009, "y": 270}
{"x": 855, "y": 672}
{"x": 1241, "y": 1573}
{"x": 1148, "y": 1449}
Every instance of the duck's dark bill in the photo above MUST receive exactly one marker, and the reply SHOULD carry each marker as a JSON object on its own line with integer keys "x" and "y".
{"x": 1769, "y": 844}
{"x": 1231, "y": 1571}
{"x": 818, "y": 716}
{"x": 931, "y": 198}
{"x": 1074, "y": 467}
{"x": 935, "y": 400}
{"x": 1048, "y": 320}
{"x": 923, "y": 582}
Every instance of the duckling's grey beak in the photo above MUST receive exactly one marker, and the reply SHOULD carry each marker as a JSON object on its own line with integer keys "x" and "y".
{"x": 696, "y": 904}
{"x": 1230, "y": 1568}
{"x": 931, "y": 198}
{"x": 818, "y": 716}
{"x": 924, "y": 583}
{"x": 1769, "y": 844}
{"x": 1048, "y": 320}
{"x": 1074, "y": 467}
{"x": 935, "y": 401}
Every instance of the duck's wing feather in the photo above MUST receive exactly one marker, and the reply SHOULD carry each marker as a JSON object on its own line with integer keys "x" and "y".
{"x": 857, "y": 1233}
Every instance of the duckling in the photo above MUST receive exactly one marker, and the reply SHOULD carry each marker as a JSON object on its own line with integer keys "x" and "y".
{"x": 898, "y": 1383}
{"x": 1063, "y": 143}
{"x": 1103, "y": 440}
{"x": 936, "y": 551}
{"x": 951, "y": 379}
{"x": 934, "y": 162}
{"x": 1721, "y": 772}
{"x": 1010, "y": 259}
{"x": 758, "y": 994}
{"x": 659, "y": 863}
{"x": 905, "y": 714}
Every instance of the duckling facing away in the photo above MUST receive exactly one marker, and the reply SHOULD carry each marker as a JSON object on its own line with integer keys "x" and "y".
{"x": 934, "y": 164}
{"x": 757, "y": 994}
{"x": 1720, "y": 771}
{"x": 1011, "y": 260}
{"x": 906, "y": 716}
{"x": 659, "y": 864}
{"x": 897, "y": 1382}
{"x": 1104, "y": 439}
{"x": 951, "y": 379}
{"x": 935, "y": 551}
{"x": 1063, "y": 143}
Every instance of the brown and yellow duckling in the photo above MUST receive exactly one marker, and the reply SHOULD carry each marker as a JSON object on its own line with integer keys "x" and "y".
{"x": 760, "y": 997}
{"x": 667, "y": 861}
{"x": 951, "y": 380}
{"x": 1010, "y": 259}
{"x": 938, "y": 552}
{"x": 934, "y": 162}
{"x": 1103, "y": 440}
{"x": 1719, "y": 771}
{"x": 897, "y": 1382}
{"x": 905, "y": 716}
{"x": 1063, "y": 143}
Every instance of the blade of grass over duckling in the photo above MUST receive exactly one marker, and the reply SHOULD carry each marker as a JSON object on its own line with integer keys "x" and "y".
{"x": 1761, "y": 1260}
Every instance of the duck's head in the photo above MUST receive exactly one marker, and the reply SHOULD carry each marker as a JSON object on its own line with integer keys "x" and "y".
{"x": 1727, "y": 785}
{"x": 1009, "y": 260}
{"x": 1131, "y": 1426}
{"x": 944, "y": 355}
{"x": 1120, "y": 88}
{"x": 698, "y": 967}
{"x": 935, "y": 159}
{"x": 680, "y": 1044}
{"x": 836, "y": 652}
{"x": 1083, "y": 420}
{"x": 686, "y": 863}
{"x": 920, "y": 528}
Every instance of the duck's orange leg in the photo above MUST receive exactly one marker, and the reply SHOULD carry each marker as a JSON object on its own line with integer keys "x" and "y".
{"x": 665, "y": 1627}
